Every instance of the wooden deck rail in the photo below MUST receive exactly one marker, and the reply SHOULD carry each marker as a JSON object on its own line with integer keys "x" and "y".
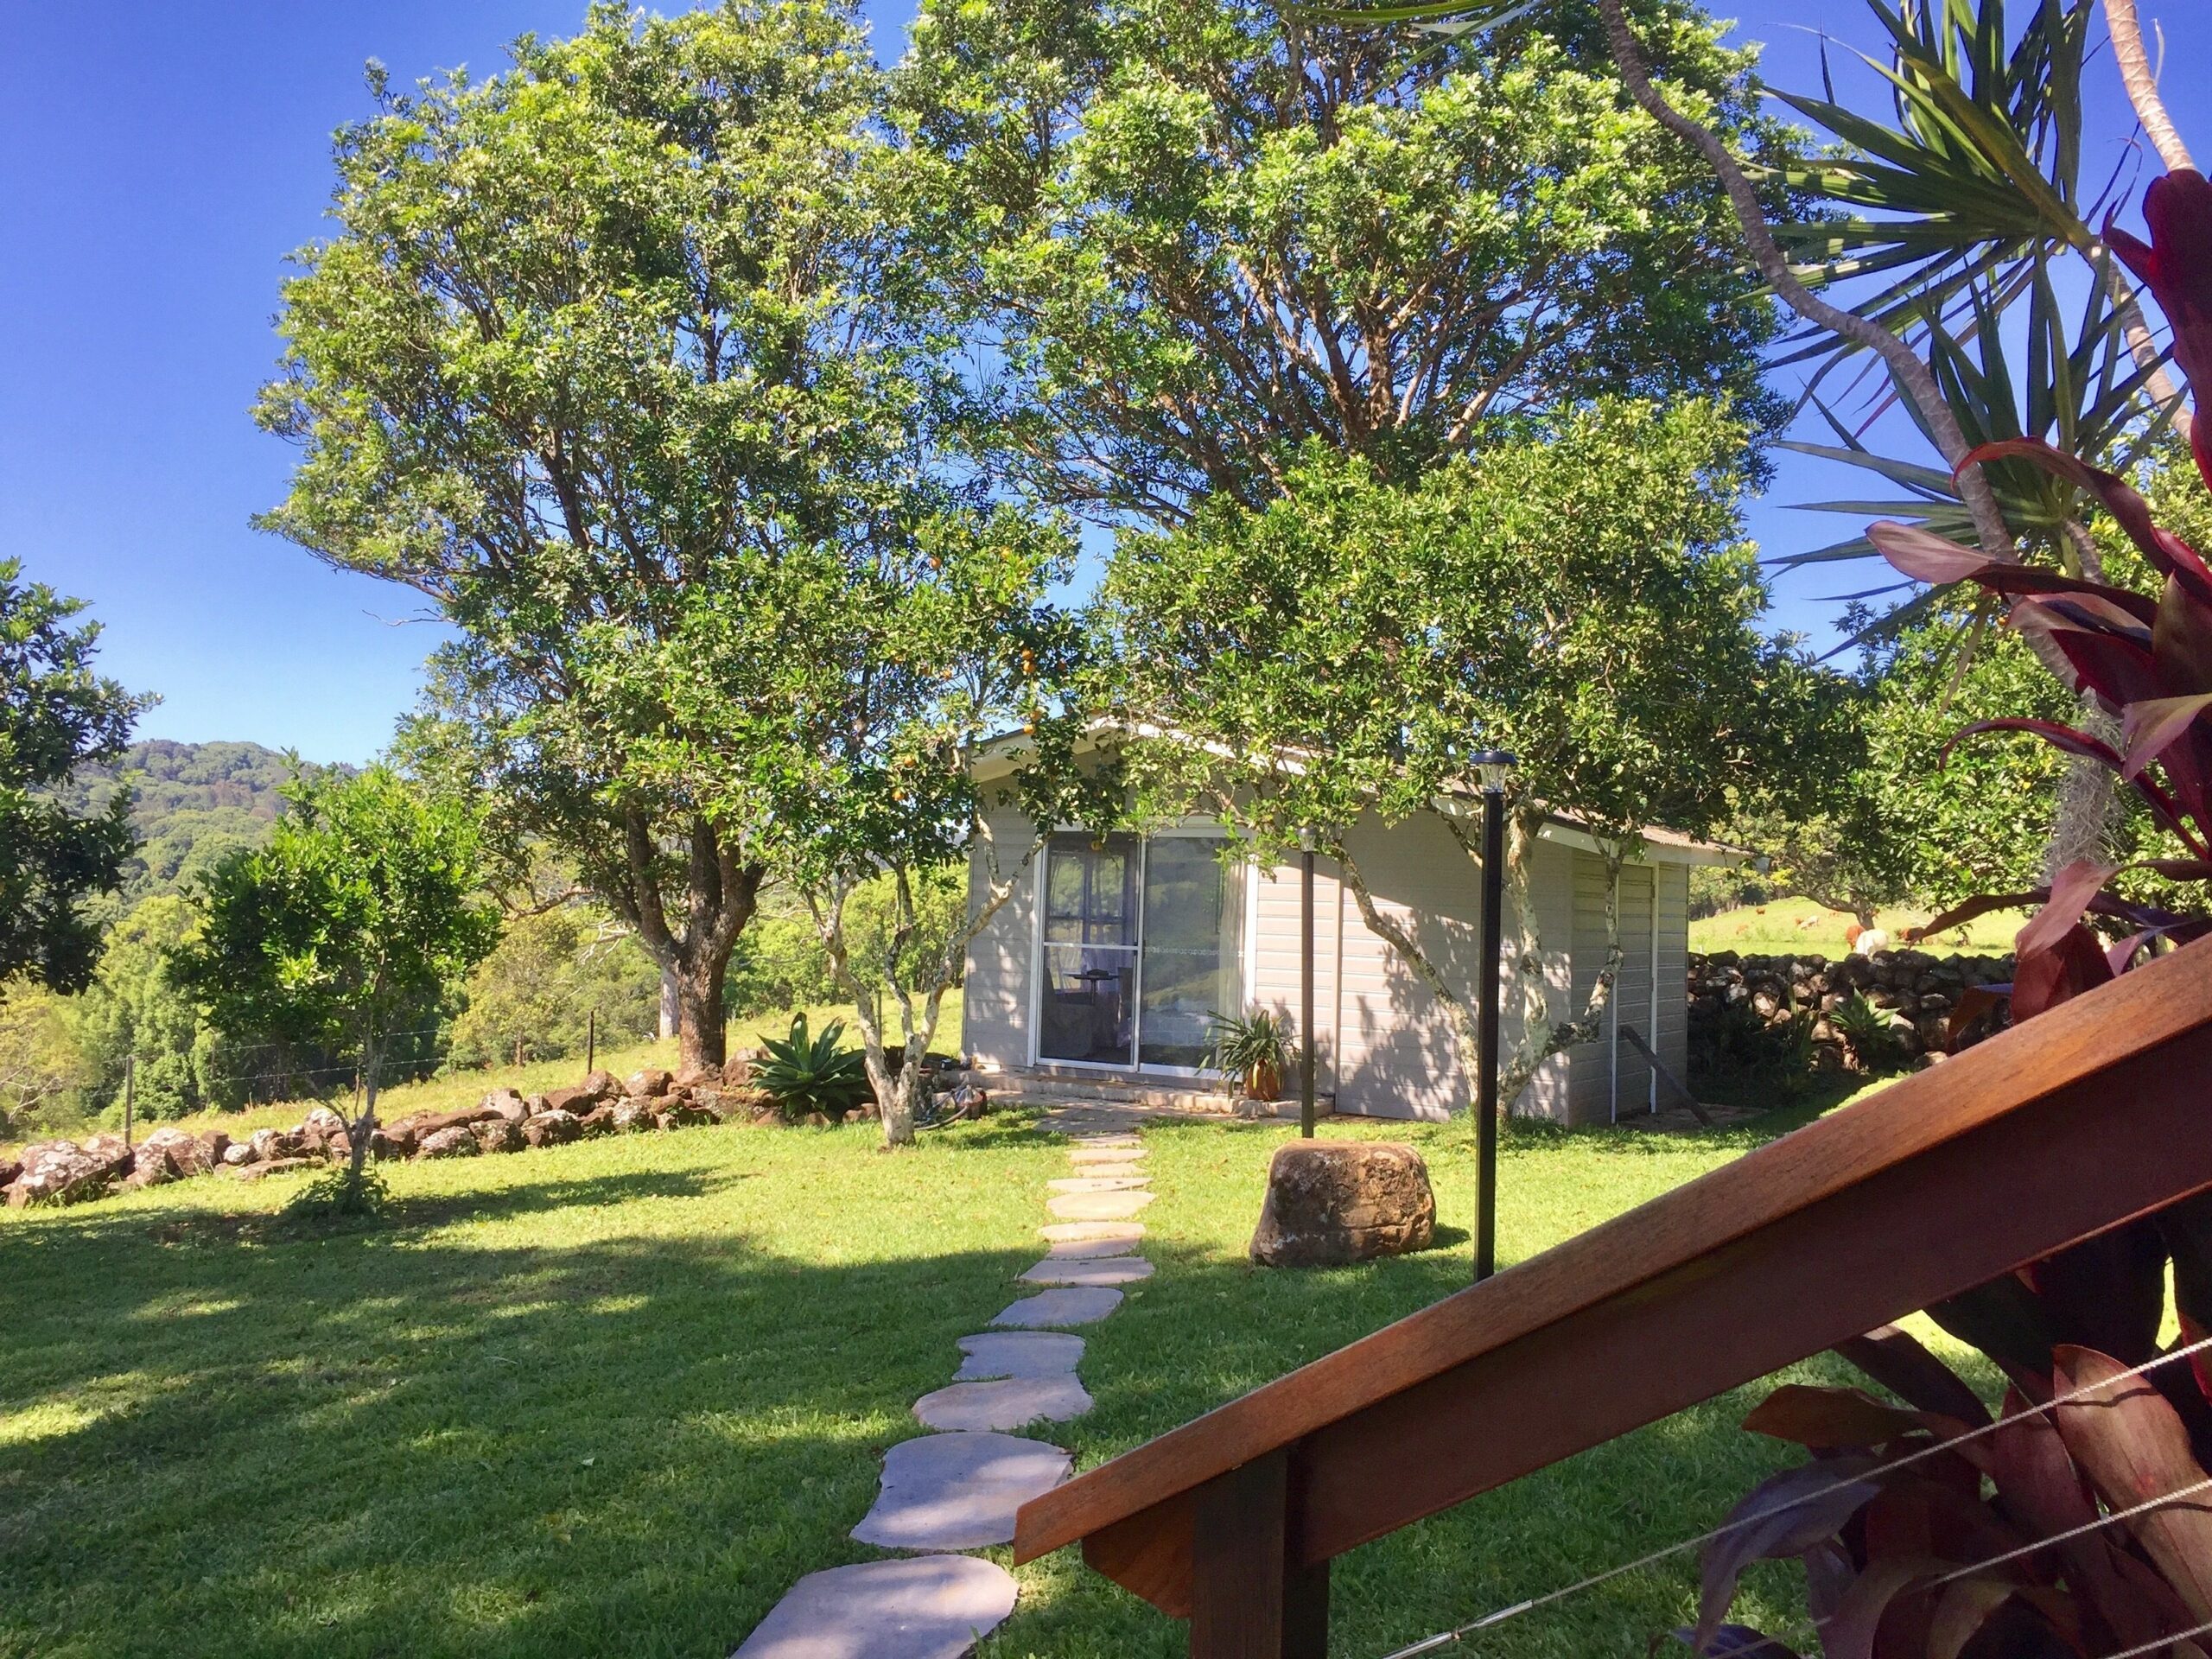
{"x": 2094, "y": 1113}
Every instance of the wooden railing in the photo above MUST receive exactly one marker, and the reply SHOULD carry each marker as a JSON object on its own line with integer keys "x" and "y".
{"x": 2083, "y": 1118}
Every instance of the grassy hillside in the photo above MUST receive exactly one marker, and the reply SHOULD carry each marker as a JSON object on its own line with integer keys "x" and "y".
{"x": 1798, "y": 926}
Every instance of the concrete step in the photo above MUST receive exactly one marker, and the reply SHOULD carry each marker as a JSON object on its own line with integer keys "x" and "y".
{"x": 1175, "y": 1096}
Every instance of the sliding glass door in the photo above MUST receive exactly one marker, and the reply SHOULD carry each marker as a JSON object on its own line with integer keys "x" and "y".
{"x": 1140, "y": 947}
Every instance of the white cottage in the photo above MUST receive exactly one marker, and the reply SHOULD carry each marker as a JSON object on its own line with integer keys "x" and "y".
{"x": 1100, "y": 970}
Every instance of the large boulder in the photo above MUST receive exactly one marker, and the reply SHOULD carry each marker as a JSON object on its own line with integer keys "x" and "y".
{"x": 553, "y": 1129}
{"x": 507, "y": 1103}
{"x": 424, "y": 1123}
{"x": 597, "y": 1121}
{"x": 650, "y": 1081}
{"x": 167, "y": 1154}
{"x": 210, "y": 1148}
{"x": 1331, "y": 1202}
{"x": 269, "y": 1145}
{"x": 239, "y": 1155}
{"x": 62, "y": 1171}
{"x": 456, "y": 1141}
{"x": 603, "y": 1085}
{"x": 571, "y": 1099}
{"x": 497, "y": 1135}
{"x": 631, "y": 1117}
{"x": 321, "y": 1123}
{"x": 392, "y": 1140}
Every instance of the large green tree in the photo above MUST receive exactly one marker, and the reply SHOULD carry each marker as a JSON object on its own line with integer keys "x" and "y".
{"x": 364, "y": 906}
{"x": 599, "y": 344}
{"x": 56, "y": 714}
{"x": 1581, "y": 598}
{"x": 1203, "y": 235}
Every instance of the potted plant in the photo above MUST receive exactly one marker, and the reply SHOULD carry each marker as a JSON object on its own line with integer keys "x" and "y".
{"x": 1250, "y": 1048}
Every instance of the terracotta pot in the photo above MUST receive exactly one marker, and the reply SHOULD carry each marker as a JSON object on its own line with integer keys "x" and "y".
{"x": 1263, "y": 1081}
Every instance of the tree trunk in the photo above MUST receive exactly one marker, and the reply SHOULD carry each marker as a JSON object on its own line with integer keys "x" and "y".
{"x": 702, "y": 1024}
{"x": 2087, "y": 798}
{"x": 359, "y": 1131}
{"x": 671, "y": 1007}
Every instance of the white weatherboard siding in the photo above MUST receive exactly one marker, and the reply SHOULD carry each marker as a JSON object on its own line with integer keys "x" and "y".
{"x": 996, "y": 1008}
{"x": 1387, "y": 1047}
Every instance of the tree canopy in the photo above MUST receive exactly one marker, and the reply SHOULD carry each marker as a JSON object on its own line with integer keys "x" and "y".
{"x": 1207, "y": 235}
{"x": 1581, "y": 598}
{"x": 605, "y": 345}
{"x": 56, "y": 714}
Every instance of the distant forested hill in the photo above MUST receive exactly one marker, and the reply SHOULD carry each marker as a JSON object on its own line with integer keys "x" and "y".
{"x": 191, "y": 803}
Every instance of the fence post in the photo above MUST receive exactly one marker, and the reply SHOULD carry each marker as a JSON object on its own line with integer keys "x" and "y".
{"x": 130, "y": 1094}
{"x": 1248, "y": 1601}
{"x": 591, "y": 1041}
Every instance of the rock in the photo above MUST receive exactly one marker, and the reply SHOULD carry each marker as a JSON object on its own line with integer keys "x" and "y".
{"x": 112, "y": 1151}
{"x": 577, "y": 1099}
{"x": 553, "y": 1129}
{"x": 498, "y": 1135}
{"x": 507, "y": 1103}
{"x": 239, "y": 1155}
{"x": 1047, "y": 1308}
{"x": 678, "y": 1115}
{"x": 149, "y": 1172}
{"x": 397, "y": 1141}
{"x": 211, "y": 1150}
{"x": 711, "y": 1075}
{"x": 630, "y": 1118}
{"x": 274, "y": 1143}
{"x": 650, "y": 1081}
{"x": 603, "y": 1085}
{"x": 958, "y": 1490}
{"x": 174, "y": 1153}
{"x": 1017, "y": 1353}
{"x": 458, "y": 1141}
{"x": 1101, "y": 1270}
{"x": 816, "y": 1120}
{"x": 321, "y": 1123}
{"x": 1005, "y": 1403}
{"x": 9, "y": 1168}
{"x": 1331, "y": 1202}
{"x": 275, "y": 1166}
{"x": 62, "y": 1171}
{"x": 1098, "y": 1206}
{"x": 920, "y": 1607}
{"x": 597, "y": 1121}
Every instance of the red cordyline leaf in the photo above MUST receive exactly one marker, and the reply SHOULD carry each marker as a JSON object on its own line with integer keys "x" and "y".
{"x": 1784, "y": 1514}
{"x": 1827, "y": 1419}
{"x": 1898, "y": 1360}
{"x": 2176, "y": 267}
{"x": 2129, "y": 1441}
{"x": 2151, "y": 727}
{"x": 2172, "y": 555}
{"x": 2059, "y": 736}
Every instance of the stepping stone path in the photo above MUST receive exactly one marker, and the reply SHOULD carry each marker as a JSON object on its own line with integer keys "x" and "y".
{"x": 957, "y": 1488}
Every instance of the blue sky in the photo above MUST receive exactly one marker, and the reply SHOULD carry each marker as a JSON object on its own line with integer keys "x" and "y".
{"x": 158, "y": 158}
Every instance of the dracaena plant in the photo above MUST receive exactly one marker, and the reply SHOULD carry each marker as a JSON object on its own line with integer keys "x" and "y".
{"x": 1913, "y": 1551}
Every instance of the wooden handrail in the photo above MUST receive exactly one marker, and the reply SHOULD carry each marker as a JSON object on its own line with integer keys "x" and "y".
{"x": 2071, "y": 1123}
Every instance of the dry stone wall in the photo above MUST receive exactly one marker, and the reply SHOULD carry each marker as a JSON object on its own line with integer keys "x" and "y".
{"x": 1923, "y": 989}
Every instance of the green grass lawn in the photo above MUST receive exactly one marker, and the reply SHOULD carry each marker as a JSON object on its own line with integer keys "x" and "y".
{"x": 616, "y": 1397}
{"x": 1799, "y": 927}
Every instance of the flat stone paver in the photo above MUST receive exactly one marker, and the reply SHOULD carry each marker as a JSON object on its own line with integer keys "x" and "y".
{"x": 1086, "y": 1249}
{"x": 929, "y": 1607}
{"x": 1098, "y": 1183}
{"x": 1017, "y": 1353}
{"x": 1115, "y": 1154}
{"x": 1085, "y": 1306}
{"x": 1006, "y": 1403}
{"x": 1098, "y": 1206}
{"x": 1066, "y": 1232}
{"x": 1105, "y": 1270}
{"x": 1109, "y": 1142}
{"x": 959, "y": 1491}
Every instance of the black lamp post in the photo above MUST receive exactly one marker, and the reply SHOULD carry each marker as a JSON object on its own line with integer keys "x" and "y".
{"x": 1306, "y": 841}
{"x": 1493, "y": 765}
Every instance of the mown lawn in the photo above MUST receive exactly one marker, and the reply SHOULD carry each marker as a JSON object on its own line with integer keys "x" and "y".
{"x": 616, "y": 1397}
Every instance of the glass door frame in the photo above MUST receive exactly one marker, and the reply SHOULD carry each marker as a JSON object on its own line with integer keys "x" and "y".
{"x": 1236, "y": 903}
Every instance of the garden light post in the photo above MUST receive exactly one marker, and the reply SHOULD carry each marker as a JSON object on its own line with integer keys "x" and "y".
{"x": 1493, "y": 765}
{"x": 1307, "y": 840}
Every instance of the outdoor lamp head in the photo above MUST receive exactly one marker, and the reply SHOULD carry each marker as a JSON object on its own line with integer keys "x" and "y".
{"x": 1493, "y": 766}
{"x": 1308, "y": 839}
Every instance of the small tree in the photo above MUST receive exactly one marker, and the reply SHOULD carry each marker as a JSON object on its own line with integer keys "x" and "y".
{"x": 1581, "y": 600}
{"x": 55, "y": 715}
{"x": 931, "y": 636}
{"x": 363, "y": 906}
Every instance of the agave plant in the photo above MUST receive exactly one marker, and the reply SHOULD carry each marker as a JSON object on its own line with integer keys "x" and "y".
{"x": 1913, "y": 1559}
{"x": 808, "y": 1072}
{"x": 1869, "y": 1031}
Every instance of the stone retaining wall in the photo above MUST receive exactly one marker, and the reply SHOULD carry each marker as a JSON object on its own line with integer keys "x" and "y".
{"x": 1922, "y": 988}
